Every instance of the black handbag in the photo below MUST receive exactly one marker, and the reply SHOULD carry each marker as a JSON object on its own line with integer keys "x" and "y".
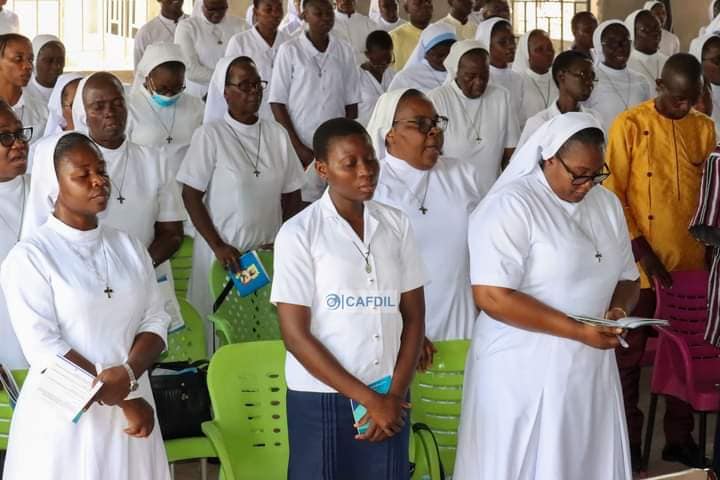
{"x": 181, "y": 398}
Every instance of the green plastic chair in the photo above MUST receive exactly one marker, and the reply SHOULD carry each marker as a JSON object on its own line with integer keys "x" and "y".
{"x": 181, "y": 264}
{"x": 437, "y": 395}
{"x": 249, "y": 429}
{"x": 244, "y": 319}
{"x": 188, "y": 344}
{"x": 6, "y": 410}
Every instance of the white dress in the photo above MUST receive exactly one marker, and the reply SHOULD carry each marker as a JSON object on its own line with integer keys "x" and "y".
{"x": 539, "y": 92}
{"x": 488, "y": 118}
{"x": 60, "y": 305}
{"x": 354, "y": 29}
{"x": 203, "y": 43}
{"x": 513, "y": 82}
{"x": 615, "y": 92}
{"x": 441, "y": 236}
{"x": 251, "y": 44}
{"x": 420, "y": 76}
{"x": 244, "y": 209}
{"x": 387, "y": 26}
{"x": 151, "y": 125}
{"x": 534, "y": 122}
{"x": 370, "y": 91}
{"x": 649, "y": 66}
{"x": 32, "y": 112}
{"x": 38, "y": 91}
{"x": 669, "y": 43}
{"x": 12, "y": 203}
{"x": 9, "y": 21}
{"x": 159, "y": 29}
{"x": 537, "y": 406}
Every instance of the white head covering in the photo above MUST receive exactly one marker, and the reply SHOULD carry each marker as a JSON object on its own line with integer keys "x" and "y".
{"x": 649, "y": 5}
{"x": 155, "y": 54}
{"x": 78, "y": 110}
{"x": 521, "y": 64}
{"x": 452, "y": 62}
{"x": 381, "y": 120}
{"x": 630, "y": 22}
{"x": 697, "y": 46}
{"x": 216, "y": 105}
{"x": 597, "y": 38}
{"x": 542, "y": 145}
{"x": 197, "y": 9}
{"x": 483, "y": 34}
{"x": 40, "y": 41}
{"x": 432, "y": 35}
{"x": 56, "y": 121}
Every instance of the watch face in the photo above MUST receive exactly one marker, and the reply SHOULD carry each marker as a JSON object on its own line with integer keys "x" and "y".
{"x": 133, "y": 386}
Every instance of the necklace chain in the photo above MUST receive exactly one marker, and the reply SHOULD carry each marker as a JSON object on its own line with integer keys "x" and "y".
{"x": 546, "y": 99}
{"x": 255, "y": 164}
{"x": 169, "y": 131}
{"x": 476, "y": 128}
{"x": 591, "y": 237}
{"x": 366, "y": 257}
{"x": 422, "y": 207}
{"x": 125, "y": 159}
{"x": 89, "y": 263}
{"x": 617, "y": 91}
{"x": 22, "y": 212}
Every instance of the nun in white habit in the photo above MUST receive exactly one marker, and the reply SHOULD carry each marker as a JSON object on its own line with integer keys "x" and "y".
{"x": 482, "y": 129}
{"x": 424, "y": 69}
{"x": 618, "y": 87}
{"x": 145, "y": 201}
{"x": 505, "y": 77}
{"x": 669, "y": 42}
{"x": 539, "y": 89}
{"x": 241, "y": 176}
{"x": 697, "y": 51}
{"x": 437, "y": 194}
{"x": 60, "y": 105}
{"x": 649, "y": 65}
{"x": 203, "y": 39}
{"x": 542, "y": 396}
{"x": 35, "y": 87}
{"x": 162, "y": 114}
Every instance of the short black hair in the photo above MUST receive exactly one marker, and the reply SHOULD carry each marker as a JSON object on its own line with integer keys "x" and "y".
{"x": 579, "y": 16}
{"x": 306, "y": 3}
{"x": 379, "y": 39}
{"x": 237, "y": 61}
{"x": 683, "y": 64}
{"x": 565, "y": 60}
{"x": 68, "y": 143}
{"x": 333, "y": 129}
{"x": 587, "y": 136}
{"x": 6, "y": 38}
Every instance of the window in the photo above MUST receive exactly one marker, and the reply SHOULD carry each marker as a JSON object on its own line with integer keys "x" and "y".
{"x": 553, "y": 16}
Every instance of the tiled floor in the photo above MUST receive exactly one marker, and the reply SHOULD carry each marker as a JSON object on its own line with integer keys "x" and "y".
{"x": 191, "y": 471}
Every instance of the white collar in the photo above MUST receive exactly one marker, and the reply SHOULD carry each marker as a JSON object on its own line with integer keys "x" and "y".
{"x": 405, "y": 172}
{"x": 73, "y": 234}
{"x": 544, "y": 78}
{"x": 370, "y": 216}
{"x": 613, "y": 73}
{"x": 170, "y": 21}
{"x": 11, "y": 185}
{"x": 239, "y": 126}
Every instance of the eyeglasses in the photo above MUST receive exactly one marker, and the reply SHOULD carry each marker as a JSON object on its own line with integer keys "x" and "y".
{"x": 7, "y": 139}
{"x": 425, "y": 124}
{"x": 713, "y": 60}
{"x": 578, "y": 180}
{"x": 249, "y": 87}
{"x": 585, "y": 77}
{"x": 169, "y": 92}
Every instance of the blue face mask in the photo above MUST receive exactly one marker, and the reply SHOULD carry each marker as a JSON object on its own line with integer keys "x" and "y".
{"x": 164, "y": 101}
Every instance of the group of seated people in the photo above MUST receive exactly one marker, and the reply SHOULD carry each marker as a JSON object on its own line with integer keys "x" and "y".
{"x": 482, "y": 187}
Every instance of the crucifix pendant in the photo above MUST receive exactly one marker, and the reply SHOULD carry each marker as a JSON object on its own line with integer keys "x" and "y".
{"x": 121, "y": 199}
{"x": 219, "y": 42}
{"x": 478, "y": 139}
{"x": 422, "y": 209}
{"x": 598, "y": 255}
{"x": 169, "y": 139}
{"x": 368, "y": 268}
{"x": 108, "y": 291}
{"x": 256, "y": 172}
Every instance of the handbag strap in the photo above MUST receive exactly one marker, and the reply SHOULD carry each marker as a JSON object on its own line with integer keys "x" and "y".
{"x": 419, "y": 426}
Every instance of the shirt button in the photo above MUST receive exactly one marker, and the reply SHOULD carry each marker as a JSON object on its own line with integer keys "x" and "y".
{"x": 371, "y": 281}
{"x": 650, "y": 217}
{"x": 649, "y": 174}
{"x": 376, "y": 362}
{"x": 376, "y": 336}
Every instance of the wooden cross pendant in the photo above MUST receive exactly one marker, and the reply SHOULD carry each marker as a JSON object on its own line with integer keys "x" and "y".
{"x": 169, "y": 139}
{"x": 108, "y": 291}
{"x": 598, "y": 255}
{"x": 121, "y": 199}
{"x": 423, "y": 210}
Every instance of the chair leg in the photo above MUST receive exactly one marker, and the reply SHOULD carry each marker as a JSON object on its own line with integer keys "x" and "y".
{"x": 649, "y": 432}
{"x": 702, "y": 440}
{"x": 203, "y": 468}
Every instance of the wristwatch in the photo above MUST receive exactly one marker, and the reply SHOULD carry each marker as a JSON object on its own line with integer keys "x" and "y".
{"x": 133, "y": 381}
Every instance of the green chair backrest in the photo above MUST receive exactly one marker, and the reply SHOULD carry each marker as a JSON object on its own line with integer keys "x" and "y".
{"x": 187, "y": 344}
{"x": 181, "y": 264}
{"x": 436, "y": 396}
{"x": 6, "y": 409}
{"x": 244, "y": 319}
{"x": 247, "y": 389}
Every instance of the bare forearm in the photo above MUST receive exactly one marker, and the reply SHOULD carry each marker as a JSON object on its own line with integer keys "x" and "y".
{"x": 145, "y": 351}
{"x": 168, "y": 237}
{"x": 412, "y": 308}
{"x": 523, "y": 311}
{"x": 291, "y": 204}
{"x": 199, "y": 216}
{"x": 81, "y": 361}
{"x": 626, "y": 296}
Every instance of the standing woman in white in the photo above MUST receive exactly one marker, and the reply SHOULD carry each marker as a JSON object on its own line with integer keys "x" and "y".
{"x": 261, "y": 43}
{"x": 645, "y": 56}
{"x": 49, "y": 54}
{"x": 669, "y": 43}
{"x": 159, "y": 29}
{"x": 533, "y": 59}
{"x": 241, "y": 177}
{"x": 203, "y": 38}
{"x": 88, "y": 293}
{"x": 542, "y": 397}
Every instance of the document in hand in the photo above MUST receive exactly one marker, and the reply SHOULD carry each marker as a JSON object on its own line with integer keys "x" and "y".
{"x": 67, "y": 388}
{"x": 627, "y": 322}
{"x": 8, "y": 384}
